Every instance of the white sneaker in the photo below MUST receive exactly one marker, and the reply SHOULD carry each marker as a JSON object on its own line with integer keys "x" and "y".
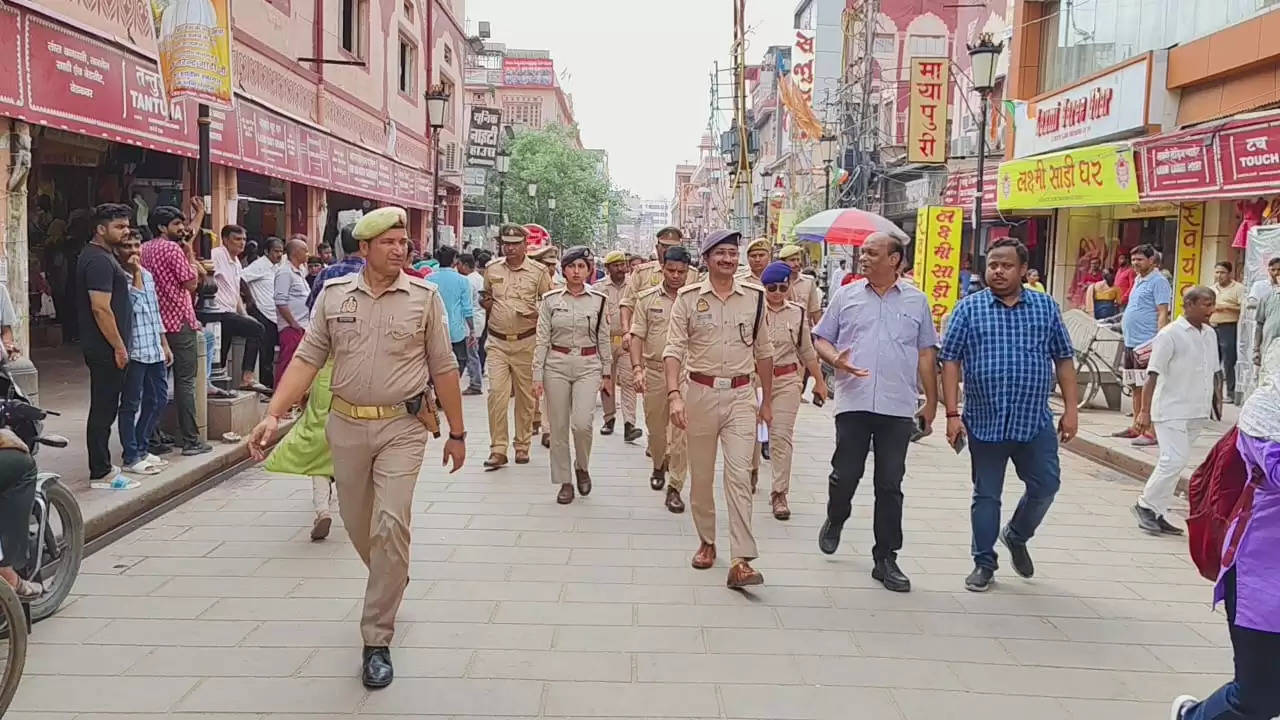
{"x": 156, "y": 460}
{"x": 1180, "y": 706}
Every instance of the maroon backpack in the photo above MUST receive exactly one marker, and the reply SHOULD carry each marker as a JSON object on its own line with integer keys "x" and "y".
{"x": 1219, "y": 492}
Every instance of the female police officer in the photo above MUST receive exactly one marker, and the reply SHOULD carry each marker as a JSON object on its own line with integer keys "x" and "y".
{"x": 570, "y": 361}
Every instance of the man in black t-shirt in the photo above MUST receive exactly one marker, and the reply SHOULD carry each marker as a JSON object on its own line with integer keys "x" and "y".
{"x": 106, "y": 323}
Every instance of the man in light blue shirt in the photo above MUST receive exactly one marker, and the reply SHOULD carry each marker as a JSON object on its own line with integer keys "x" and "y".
{"x": 1145, "y": 313}
{"x": 455, "y": 293}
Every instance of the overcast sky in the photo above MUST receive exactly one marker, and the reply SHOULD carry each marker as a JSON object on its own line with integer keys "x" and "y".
{"x": 639, "y": 72}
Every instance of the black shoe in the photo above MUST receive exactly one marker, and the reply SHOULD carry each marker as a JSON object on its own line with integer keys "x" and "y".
{"x": 197, "y": 448}
{"x": 607, "y": 427}
{"x": 159, "y": 449}
{"x": 1018, "y": 554}
{"x": 891, "y": 576}
{"x": 658, "y": 479}
{"x": 829, "y": 537}
{"x": 1166, "y": 528}
{"x": 764, "y": 450}
{"x": 980, "y": 579}
{"x": 631, "y": 433}
{"x": 473, "y": 391}
{"x": 165, "y": 438}
{"x": 1148, "y": 521}
{"x": 377, "y": 672}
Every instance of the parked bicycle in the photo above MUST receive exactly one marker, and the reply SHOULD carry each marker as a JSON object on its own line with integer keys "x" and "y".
{"x": 13, "y": 635}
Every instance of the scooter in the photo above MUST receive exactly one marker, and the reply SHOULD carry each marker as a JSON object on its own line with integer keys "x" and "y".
{"x": 57, "y": 526}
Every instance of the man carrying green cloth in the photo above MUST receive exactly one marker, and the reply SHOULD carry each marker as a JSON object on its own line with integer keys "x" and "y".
{"x": 304, "y": 451}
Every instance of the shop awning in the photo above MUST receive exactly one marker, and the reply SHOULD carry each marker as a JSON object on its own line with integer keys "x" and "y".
{"x": 1233, "y": 158}
{"x": 1080, "y": 177}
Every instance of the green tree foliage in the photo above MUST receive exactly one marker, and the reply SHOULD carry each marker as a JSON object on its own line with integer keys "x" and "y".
{"x": 550, "y": 158}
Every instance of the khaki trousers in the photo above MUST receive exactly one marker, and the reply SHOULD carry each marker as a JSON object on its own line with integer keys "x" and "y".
{"x": 510, "y": 368}
{"x": 570, "y": 384}
{"x": 375, "y": 464}
{"x": 623, "y": 386}
{"x": 727, "y": 417}
{"x": 667, "y": 443}
{"x": 786, "y": 403}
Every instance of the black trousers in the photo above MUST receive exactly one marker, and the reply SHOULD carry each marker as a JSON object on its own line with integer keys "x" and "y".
{"x": 266, "y": 349}
{"x": 234, "y": 326}
{"x": 1227, "y": 354}
{"x": 106, "y": 381}
{"x": 183, "y": 345}
{"x": 17, "y": 495}
{"x": 856, "y": 434}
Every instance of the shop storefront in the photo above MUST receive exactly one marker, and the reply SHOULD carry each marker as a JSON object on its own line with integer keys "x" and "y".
{"x": 1034, "y": 227}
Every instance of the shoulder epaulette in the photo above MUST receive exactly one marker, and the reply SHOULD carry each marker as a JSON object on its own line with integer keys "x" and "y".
{"x": 650, "y": 291}
{"x": 422, "y": 283}
{"x": 342, "y": 279}
{"x": 553, "y": 291}
{"x": 689, "y": 288}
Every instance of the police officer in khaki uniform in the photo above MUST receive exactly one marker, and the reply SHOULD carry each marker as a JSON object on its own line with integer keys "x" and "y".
{"x": 804, "y": 290}
{"x": 791, "y": 336}
{"x": 647, "y": 275}
{"x": 512, "y": 289}
{"x": 570, "y": 366}
{"x": 613, "y": 287}
{"x": 717, "y": 333}
{"x": 668, "y": 445}
{"x": 759, "y": 253}
{"x": 389, "y": 337}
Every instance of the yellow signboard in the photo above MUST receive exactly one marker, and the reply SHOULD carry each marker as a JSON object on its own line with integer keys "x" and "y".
{"x": 1098, "y": 175}
{"x": 786, "y": 226}
{"x": 917, "y": 258}
{"x": 927, "y": 121}
{"x": 938, "y": 274}
{"x": 194, "y": 40}
{"x": 1190, "y": 248}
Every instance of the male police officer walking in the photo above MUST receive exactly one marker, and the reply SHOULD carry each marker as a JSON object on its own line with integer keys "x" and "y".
{"x": 512, "y": 290}
{"x": 389, "y": 337}
{"x": 613, "y": 288}
{"x": 716, "y": 330}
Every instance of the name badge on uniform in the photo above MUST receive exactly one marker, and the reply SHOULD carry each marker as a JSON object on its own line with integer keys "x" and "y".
{"x": 496, "y": 280}
{"x": 348, "y": 305}
{"x": 346, "y": 319}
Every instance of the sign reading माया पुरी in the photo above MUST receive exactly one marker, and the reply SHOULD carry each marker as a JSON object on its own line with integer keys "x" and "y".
{"x": 1099, "y": 175}
{"x": 927, "y": 121}
{"x": 937, "y": 254}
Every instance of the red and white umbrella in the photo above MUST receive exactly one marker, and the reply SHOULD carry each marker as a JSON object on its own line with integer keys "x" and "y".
{"x": 846, "y": 226}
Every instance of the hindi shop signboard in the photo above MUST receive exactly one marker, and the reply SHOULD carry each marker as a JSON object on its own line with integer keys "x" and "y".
{"x": 528, "y": 72}
{"x": 61, "y": 78}
{"x": 1190, "y": 248}
{"x": 194, "y": 40}
{"x": 927, "y": 121}
{"x": 1103, "y": 108}
{"x": 482, "y": 138}
{"x": 802, "y": 60}
{"x": 1100, "y": 175}
{"x": 937, "y": 257}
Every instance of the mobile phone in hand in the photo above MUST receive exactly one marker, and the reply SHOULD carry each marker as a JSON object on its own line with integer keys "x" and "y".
{"x": 958, "y": 445}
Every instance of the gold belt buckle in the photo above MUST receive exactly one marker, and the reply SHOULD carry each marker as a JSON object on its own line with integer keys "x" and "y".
{"x": 723, "y": 383}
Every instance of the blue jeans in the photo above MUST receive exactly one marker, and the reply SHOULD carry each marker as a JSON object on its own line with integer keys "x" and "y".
{"x": 1036, "y": 463}
{"x": 1254, "y": 692}
{"x": 146, "y": 392}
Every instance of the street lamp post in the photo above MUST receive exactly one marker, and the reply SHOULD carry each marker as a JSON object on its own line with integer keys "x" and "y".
{"x": 437, "y": 105}
{"x": 533, "y": 200}
{"x": 828, "y": 145}
{"x": 551, "y": 217}
{"x": 983, "y": 58}
{"x": 503, "y": 165}
{"x": 766, "y": 176}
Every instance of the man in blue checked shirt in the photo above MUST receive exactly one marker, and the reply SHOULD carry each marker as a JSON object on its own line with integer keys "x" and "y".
{"x": 1011, "y": 344}
{"x": 146, "y": 387}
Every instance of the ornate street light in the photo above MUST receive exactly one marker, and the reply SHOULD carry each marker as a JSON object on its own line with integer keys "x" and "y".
{"x": 437, "y": 106}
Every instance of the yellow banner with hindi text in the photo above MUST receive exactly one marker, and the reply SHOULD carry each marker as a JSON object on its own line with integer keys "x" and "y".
{"x": 939, "y": 276}
{"x": 1098, "y": 175}
{"x": 1190, "y": 250}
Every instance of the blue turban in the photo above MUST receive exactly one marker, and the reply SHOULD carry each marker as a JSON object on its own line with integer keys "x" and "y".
{"x": 776, "y": 272}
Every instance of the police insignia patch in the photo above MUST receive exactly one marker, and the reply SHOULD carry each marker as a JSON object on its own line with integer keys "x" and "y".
{"x": 655, "y": 279}
{"x": 703, "y": 306}
{"x": 348, "y": 305}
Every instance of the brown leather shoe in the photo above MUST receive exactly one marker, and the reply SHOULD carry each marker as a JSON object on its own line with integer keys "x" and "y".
{"x": 584, "y": 482}
{"x": 742, "y": 575}
{"x": 495, "y": 461}
{"x": 657, "y": 479}
{"x": 565, "y": 496}
{"x": 522, "y": 457}
{"x": 674, "y": 503}
{"x": 546, "y": 440}
{"x": 755, "y": 478}
{"x": 705, "y": 557}
{"x": 779, "y": 502}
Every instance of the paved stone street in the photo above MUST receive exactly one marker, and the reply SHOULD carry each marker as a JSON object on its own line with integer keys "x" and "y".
{"x": 523, "y": 608}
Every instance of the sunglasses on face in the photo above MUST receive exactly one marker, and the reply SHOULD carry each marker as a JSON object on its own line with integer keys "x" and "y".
{"x": 776, "y": 287}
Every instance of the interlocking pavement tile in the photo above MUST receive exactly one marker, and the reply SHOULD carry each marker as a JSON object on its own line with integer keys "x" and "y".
{"x": 158, "y": 633}
{"x": 619, "y": 593}
{"x": 155, "y": 608}
{"x": 807, "y": 703}
{"x": 441, "y": 696}
{"x": 267, "y": 695}
{"x": 780, "y": 642}
{"x": 279, "y": 609}
{"x": 934, "y": 704}
{"x": 1067, "y": 654}
{"x": 629, "y": 639}
{"x": 932, "y": 647}
{"x": 1128, "y": 631}
{"x": 565, "y": 699}
{"x": 878, "y": 672}
{"x": 479, "y": 636}
{"x": 221, "y": 662}
{"x": 494, "y": 590}
{"x": 724, "y": 616}
{"x": 84, "y": 660}
{"x": 551, "y": 665}
{"x": 220, "y": 587}
{"x": 547, "y": 613}
{"x": 100, "y": 694}
{"x": 409, "y": 662}
{"x": 703, "y": 668}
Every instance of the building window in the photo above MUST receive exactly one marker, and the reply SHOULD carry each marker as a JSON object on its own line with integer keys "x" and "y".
{"x": 447, "y": 85}
{"x": 883, "y": 44}
{"x": 927, "y": 46}
{"x": 448, "y": 54}
{"x": 353, "y": 26}
{"x": 407, "y": 65}
{"x": 408, "y": 10}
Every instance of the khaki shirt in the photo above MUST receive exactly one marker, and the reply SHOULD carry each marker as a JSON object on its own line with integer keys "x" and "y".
{"x": 1226, "y": 308}
{"x": 612, "y": 308}
{"x": 515, "y": 294}
{"x": 646, "y": 276}
{"x": 804, "y": 291}
{"x": 713, "y": 337}
{"x": 749, "y": 276}
{"x": 385, "y": 348}
{"x": 570, "y": 321}
{"x": 649, "y": 322}
{"x": 791, "y": 335}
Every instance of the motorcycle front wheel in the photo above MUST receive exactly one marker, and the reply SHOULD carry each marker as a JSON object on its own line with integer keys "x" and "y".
{"x": 63, "y": 550}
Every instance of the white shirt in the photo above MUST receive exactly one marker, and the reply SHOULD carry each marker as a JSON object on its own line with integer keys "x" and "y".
{"x": 260, "y": 276}
{"x": 226, "y": 273}
{"x": 1185, "y": 360}
{"x": 477, "y": 284}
